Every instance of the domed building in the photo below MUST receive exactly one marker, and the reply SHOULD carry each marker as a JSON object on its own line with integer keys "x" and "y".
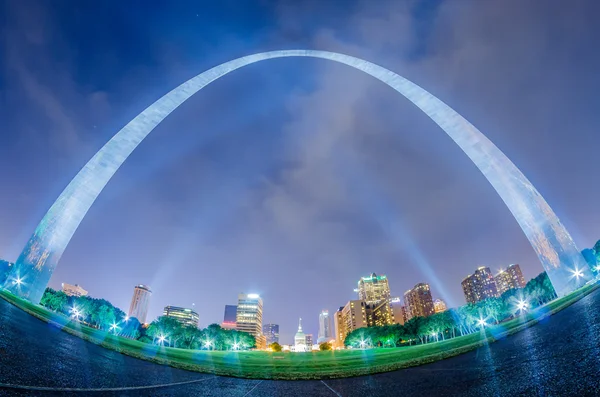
{"x": 300, "y": 339}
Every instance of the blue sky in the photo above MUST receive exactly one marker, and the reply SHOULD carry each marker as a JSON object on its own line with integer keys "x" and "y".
{"x": 294, "y": 177}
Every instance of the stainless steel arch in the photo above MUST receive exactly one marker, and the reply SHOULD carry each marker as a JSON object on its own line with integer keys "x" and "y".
{"x": 550, "y": 240}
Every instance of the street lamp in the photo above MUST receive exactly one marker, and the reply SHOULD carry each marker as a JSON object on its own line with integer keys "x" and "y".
{"x": 114, "y": 327}
{"x": 236, "y": 346}
{"x": 522, "y": 306}
{"x": 482, "y": 323}
{"x": 208, "y": 344}
{"x": 161, "y": 339}
{"x": 19, "y": 281}
{"x": 577, "y": 273}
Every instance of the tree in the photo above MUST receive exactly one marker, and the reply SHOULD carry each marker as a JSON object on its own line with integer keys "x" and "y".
{"x": 325, "y": 346}
{"x": 276, "y": 347}
{"x": 54, "y": 300}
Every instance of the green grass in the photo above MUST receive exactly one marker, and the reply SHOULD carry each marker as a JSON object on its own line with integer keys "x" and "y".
{"x": 317, "y": 365}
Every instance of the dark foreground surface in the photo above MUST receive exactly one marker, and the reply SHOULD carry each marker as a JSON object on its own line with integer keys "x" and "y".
{"x": 558, "y": 357}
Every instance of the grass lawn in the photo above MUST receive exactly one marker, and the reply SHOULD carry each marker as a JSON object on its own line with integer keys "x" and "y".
{"x": 317, "y": 365}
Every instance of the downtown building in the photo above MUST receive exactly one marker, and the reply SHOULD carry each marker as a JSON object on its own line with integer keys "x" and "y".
{"x": 479, "y": 286}
{"x": 271, "y": 333}
{"x": 139, "y": 303}
{"x": 249, "y": 315}
{"x": 348, "y": 318}
{"x": 324, "y": 327}
{"x": 419, "y": 302}
{"x": 229, "y": 317}
{"x": 73, "y": 290}
{"x": 508, "y": 279}
{"x": 386, "y": 312}
{"x": 439, "y": 306}
{"x": 186, "y": 317}
{"x": 373, "y": 289}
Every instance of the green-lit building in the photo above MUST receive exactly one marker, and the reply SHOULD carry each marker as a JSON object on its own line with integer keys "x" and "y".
{"x": 183, "y": 315}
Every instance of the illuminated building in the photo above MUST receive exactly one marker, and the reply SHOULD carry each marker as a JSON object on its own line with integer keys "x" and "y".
{"x": 249, "y": 314}
{"x": 516, "y": 275}
{"x": 479, "y": 285}
{"x": 550, "y": 240}
{"x": 183, "y": 315}
{"x": 510, "y": 278}
{"x": 373, "y": 289}
{"x": 324, "y": 327}
{"x": 439, "y": 306}
{"x": 380, "y": 314}
{"x": 261, "y": 341}
{"x": 398, "y": 311}
{"x": 348, "y": 318}
{"x": 300, "y": 339}
{"x": 5, "y": 267}
{"x": 140, "y": 302}
{"x": 419, "y": 302}
{"x": 338, "y": 327}
{"x": 73, "y": 290}
{"x": 271, "y": 332}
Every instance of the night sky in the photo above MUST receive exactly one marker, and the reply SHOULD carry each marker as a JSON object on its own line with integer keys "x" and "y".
{"x": 294, "y": 177}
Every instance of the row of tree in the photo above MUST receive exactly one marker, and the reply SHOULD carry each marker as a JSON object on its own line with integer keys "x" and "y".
{"x": 101, "y": 314}
{"x": 460, "y": 321}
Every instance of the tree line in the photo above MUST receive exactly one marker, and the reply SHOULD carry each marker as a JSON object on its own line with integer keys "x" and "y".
{"x": 166, "y": 331}
{"x": 463, "y": 320}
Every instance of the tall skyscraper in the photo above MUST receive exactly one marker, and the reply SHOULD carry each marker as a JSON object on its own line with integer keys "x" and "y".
{"x": 139, "y": 302}
{"x": 350, "y": 317}
{"x": 249, "y": 314}
{"x": 73, "y": 290}
{"x": 479, "y": 285}
{"x": 509, "y": 279}
{"x": 271, "y": 332}
{"x": 419, "y": 302}
{"x": 373, "y": 288}
{"x": 324, "y": 327}
{"x": 439, "y": 306}
{"x": 183, "y": 315}
{"x": 517, "y": 276}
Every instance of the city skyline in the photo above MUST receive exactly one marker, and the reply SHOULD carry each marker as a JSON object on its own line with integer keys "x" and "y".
{"x": 430, "y": 239}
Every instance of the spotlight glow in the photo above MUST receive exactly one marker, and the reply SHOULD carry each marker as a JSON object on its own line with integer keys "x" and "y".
{"x": 161, "y": 339}
{"x": 19, "y": 281}
{"x": 522, "y": 305}
{"x": 236, "y": 346}
{"x": 577, "y": 273}
{"x": 482, "y": 323}
{"x": 114, "y": 327}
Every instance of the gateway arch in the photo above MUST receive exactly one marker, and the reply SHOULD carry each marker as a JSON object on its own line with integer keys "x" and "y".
{"x": 548, "y": 237}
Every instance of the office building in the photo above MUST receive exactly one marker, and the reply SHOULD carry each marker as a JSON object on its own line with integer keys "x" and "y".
{"x": 229, "y": 317}
{"x": 140, "y": 302}
{"x": 73, "y": 290}
{"x": 373, "y": 289}
{"x": 338, "y": 328}
{"x": 398, "y": 311}
{"x": 439, "y": 306}
{"x": 479, "y": 285}
{"x": 249, "y": 314}
{"x": 350, "y": 317}
{"x": 510, "y": 278}
{"x": 309, "y": 342}
{"x": 271, "y": 333}
{"x": 419, "y": 302}
{"x": 380, "y": 314}
{"x": 516, "y": 275}
{"x": 324, "y": 327}
{"x": 186, "y": 317}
